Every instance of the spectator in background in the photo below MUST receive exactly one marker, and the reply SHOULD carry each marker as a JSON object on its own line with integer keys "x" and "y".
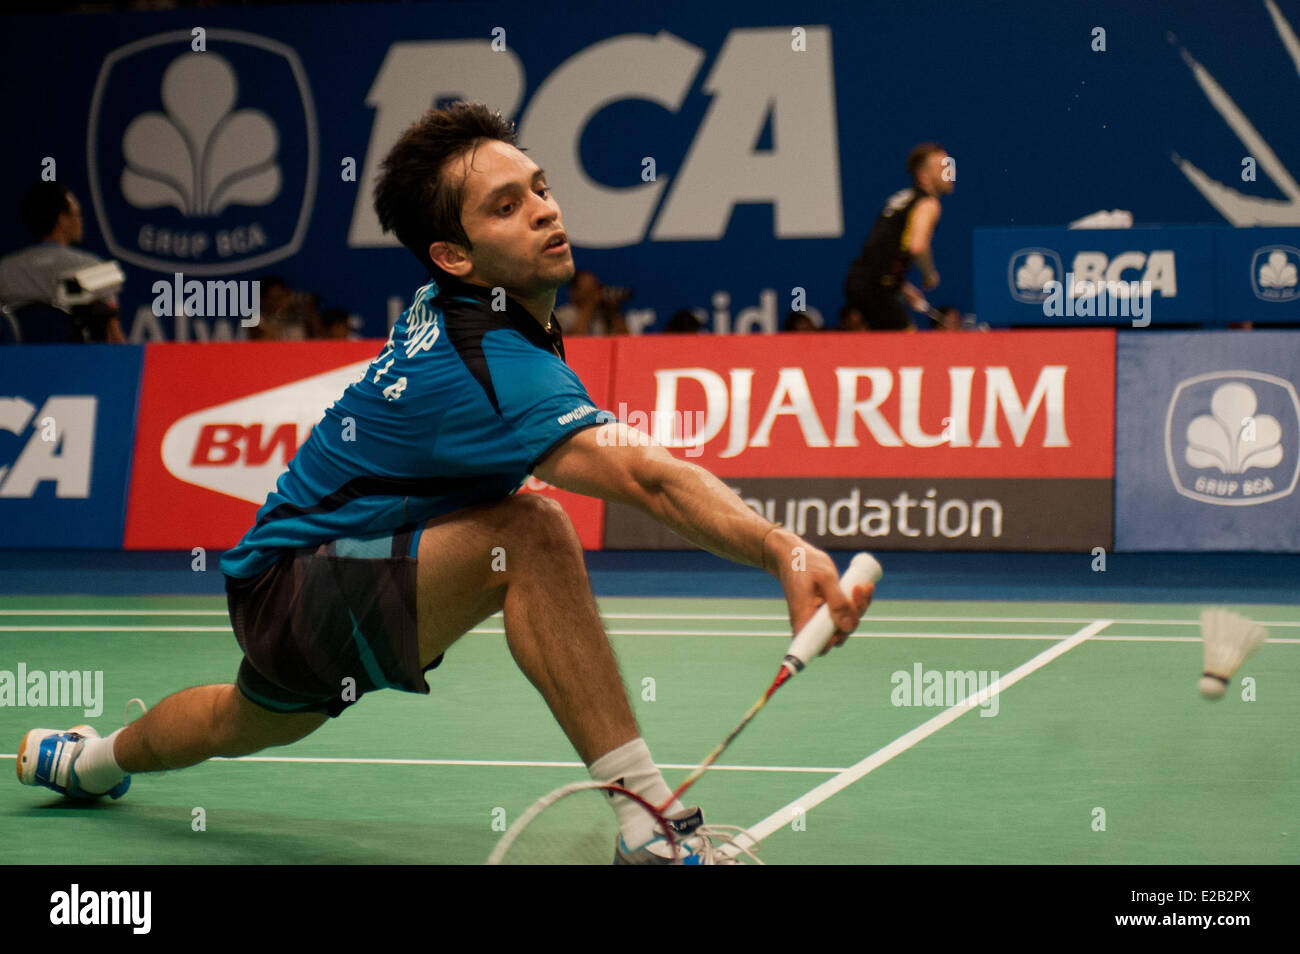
{"x": 851, "y": 319}
{"x": 287, "y": 315}
{"x": 951, "y": 318}
{"x": 307, "y": 316}
{"x": 799, "y": 321}
{"x": 593, "y": 309}
{"x": 683, "y": 322}
{"x": 947, "y": 318}
{"x": 877, "y": 283}
{"x": 51, "y": 213}
{"x": 336, "y": 325}
{"x": 274, "y": 300}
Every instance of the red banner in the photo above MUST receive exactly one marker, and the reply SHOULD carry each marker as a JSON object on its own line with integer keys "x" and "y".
{"x": 896, "y": 427}
{"x": 1000, "y": 404}
{"x": 219, "y": 422}
{"x": 592, "y": 360}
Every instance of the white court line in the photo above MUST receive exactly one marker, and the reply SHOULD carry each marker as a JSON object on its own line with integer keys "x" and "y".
{"x": 490, "y": 763}
{"x": 1040, "y": 637}
{"x": 992, "y": 637}
{"x": 112, "y": 612}
{"x": 703, "y": 617}
{"x": 115, "y": 629}
{"x": 742, "y": 617}
{"x": 783, "y": 816}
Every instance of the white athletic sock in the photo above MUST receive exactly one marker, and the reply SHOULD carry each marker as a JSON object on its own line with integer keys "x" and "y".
{"x": 97, "y": 767}
{"x": 630, "y": 765}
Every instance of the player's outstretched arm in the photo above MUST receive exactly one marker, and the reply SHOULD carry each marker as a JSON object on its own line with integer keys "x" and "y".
{"x": 924, "y": 218}
{"x": 622, "y": 465}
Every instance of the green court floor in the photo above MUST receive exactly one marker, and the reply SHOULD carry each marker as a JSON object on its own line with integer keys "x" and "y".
{"x": 1103, "y": 753}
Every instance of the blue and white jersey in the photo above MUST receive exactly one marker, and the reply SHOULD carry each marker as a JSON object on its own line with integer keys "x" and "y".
{"x": 457, "y": 409}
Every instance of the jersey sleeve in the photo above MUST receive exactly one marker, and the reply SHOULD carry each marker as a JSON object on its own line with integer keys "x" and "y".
{"x": 539, "y": 397}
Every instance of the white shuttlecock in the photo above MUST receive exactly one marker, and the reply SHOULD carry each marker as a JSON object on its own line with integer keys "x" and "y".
{"x": 1229, "y": 639}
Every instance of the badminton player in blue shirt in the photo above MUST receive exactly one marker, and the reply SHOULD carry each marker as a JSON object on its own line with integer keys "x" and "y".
{"x": 397, "y": 528}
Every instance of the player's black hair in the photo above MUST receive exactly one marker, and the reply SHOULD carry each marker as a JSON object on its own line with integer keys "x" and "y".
{"x": 794, "y": 319}
{"x": 411, "y": 197}
{"x": 916, "y": 158}
{"x": 43, "y": 203}
{"x": 683, "y": 322}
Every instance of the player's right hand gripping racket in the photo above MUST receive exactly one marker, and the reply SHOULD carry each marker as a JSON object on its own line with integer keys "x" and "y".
{"x": 807, "y": 644}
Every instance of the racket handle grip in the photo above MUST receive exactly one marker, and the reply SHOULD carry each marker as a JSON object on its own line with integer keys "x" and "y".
{"x": 817, "y": 632}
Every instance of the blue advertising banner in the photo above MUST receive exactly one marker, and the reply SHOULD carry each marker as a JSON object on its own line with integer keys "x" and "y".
{"x": 1259, "y": 275}
{"x": 1207, "y": 441}
{"x": 729, "y": 158}
{"x": 67, "y": 426}
{"x": 1137, "y": 277}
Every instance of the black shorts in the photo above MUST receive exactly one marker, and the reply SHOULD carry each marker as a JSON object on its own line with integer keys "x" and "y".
{"x": 885, "y": 312}
{"x": 325, "y": 624}
{"x": 883, "y": 308}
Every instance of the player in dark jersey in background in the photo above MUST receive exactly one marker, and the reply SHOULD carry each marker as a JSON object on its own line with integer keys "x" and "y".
{"x": 397, "y": 528}
{"x": 877, "y": 283}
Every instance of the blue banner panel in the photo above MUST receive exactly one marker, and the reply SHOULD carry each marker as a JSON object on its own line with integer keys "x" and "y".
{"x": 67, "y": 422}
{"x": 729, "y": 158}
{"x": 1123, "y": 277}
{"x": 1207, "y": 441}
{"x": 1259, "y": 275}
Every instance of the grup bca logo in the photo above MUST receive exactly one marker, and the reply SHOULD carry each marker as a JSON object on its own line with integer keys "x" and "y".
{"x": 1029, "y": 272}
{"x": 203, "y": 162}
{"x": 1231, "y": 438}
{"x": 1273, "y": 273}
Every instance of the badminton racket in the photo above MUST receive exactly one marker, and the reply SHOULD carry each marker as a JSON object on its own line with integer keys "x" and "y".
{"x": 546, "y": 801}
{"x": 808, "y": 643}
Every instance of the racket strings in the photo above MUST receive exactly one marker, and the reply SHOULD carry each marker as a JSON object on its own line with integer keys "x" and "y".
{"x": 530, "y": 815}
{"x": 728, "y": 837}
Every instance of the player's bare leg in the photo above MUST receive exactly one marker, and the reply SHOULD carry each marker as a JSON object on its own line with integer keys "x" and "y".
{"x": 552, "y": 625}
{"x": 196, "y": 724}
{"x": 522, "y": 555}
{"x": 184, "y": 729}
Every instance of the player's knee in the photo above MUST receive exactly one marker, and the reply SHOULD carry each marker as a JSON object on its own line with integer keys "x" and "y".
{"x": 540, "y": 520}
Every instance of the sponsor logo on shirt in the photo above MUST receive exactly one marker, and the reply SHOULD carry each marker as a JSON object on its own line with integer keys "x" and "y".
{"x": 576, "y": 414}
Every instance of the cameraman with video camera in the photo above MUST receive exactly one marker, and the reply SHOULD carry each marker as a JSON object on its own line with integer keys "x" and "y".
{"x": 43, "y": 286}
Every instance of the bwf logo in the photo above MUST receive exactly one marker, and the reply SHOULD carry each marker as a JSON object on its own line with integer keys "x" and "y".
{"x": 240, "y": 448}
{"x": 1231, "y": 438}
{"x": 186, "y": 169}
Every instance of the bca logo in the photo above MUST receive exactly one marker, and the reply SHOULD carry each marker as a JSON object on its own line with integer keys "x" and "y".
{"x": 1029, "y": 272}
{"x": 1273, "y": 273}
{"x": 1231, "y": 438}
{"x": 203, "y": 161}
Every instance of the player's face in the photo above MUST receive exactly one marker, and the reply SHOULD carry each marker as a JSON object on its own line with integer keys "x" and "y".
{"x": 75, "y": 227}
{"x": 942, "y": 172}
{"x": 513, "y": 222}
